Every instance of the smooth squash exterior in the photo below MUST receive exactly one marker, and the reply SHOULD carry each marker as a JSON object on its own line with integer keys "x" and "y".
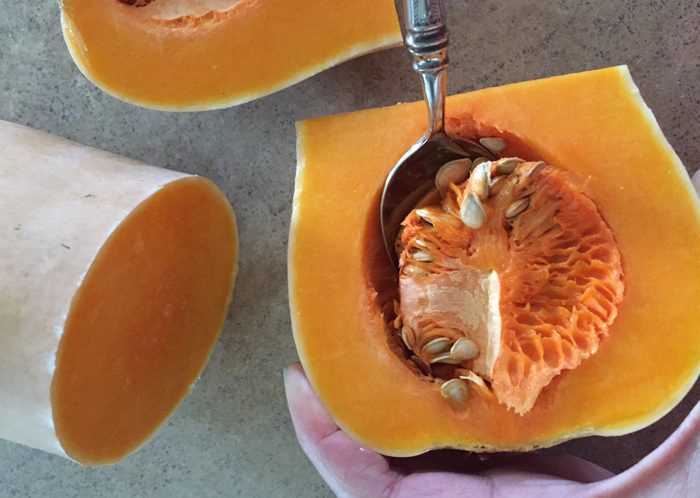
{"x": 115, "y": 280}
{"x": 219, "y": 58}
{"x": 594, "y": 124}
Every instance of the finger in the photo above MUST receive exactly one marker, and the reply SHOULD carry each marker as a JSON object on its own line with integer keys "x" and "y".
{"x": 311, "y": 421}
{"x": 461, "y": 462}
{"x": 670, "y": 470}
{"x": 350, "y": 470}
{"x": 565, "y": 466}
{"x": 347, "y": 468}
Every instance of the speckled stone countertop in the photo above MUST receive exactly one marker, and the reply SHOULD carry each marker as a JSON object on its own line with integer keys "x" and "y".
{"x": 233, "y": 436}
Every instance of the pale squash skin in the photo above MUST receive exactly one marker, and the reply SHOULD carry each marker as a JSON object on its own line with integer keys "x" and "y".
{"x": 594, "y": 124}
{"x": 213, "y": 61}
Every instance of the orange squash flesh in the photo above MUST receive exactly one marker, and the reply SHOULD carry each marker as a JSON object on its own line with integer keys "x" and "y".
{"x": 593, "y": 124}
{"x": 222, "y": 58}
{"x": 144, "y": 321}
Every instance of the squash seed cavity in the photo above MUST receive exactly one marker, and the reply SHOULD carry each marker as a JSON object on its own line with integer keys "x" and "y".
{"x": 523, "y": 221}
{"x": 177, "y": 12}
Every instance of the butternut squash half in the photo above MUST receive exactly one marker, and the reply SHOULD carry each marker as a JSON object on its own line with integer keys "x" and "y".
{"x": 641, "y": 352}
{"x": 115, "y": 279}
{"x": 182, "y": 55}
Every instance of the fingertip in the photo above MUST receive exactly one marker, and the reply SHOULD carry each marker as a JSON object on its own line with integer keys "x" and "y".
{"x": 294, "y": 380}
{"x": 292, "y": 372}
{"x": 296, "y": 385}
{"x": 346, "y": 467}
{"x": 310, "y": 419}
{"x": 564, "y": 466}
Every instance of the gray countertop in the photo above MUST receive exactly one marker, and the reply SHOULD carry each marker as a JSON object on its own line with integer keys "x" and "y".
{"x": 232, "y": 436}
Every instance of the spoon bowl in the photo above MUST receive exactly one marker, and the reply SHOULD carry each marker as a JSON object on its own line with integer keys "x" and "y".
{"x": 413, "y": 177}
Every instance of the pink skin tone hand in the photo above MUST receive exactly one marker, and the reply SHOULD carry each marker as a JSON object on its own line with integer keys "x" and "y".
{"x": 672, "y": 470}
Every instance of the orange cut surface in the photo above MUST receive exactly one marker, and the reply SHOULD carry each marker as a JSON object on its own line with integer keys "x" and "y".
{"x": 144, "y": 321}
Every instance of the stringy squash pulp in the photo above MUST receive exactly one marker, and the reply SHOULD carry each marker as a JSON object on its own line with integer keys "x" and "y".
{"x": 183, "y": 55}
{"x": 573, "y": 270}
{"x": 513, "y": 278}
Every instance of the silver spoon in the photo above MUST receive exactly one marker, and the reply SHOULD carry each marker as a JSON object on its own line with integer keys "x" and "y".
{"x": 413, "y": 177}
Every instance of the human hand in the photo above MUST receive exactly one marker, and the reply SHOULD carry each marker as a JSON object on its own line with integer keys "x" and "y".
{"x": 672, "y": 470}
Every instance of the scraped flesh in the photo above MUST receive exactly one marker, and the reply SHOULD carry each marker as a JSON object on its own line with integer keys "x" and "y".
{"x": 144, "y": 321}
{"x": 461, "y": 303}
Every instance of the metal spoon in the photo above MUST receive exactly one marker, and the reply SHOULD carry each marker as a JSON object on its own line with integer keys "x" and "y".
{"x": 414, "y": 175}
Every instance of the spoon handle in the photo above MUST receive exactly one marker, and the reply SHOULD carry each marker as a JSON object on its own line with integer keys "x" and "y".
{"x": 426, "y": 40}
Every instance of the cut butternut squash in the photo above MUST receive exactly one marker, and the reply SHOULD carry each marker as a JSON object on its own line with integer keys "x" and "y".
{"x": 116, "y": 278}
{"x": 181, "y": 55}
{"x": 600, "y": 170}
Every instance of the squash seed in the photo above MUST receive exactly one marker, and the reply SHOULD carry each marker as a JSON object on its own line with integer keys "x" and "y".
{"x": 517, "y": 207}
{"x": 494, "y": 144}
{"x": 478, "y": 161}
{"x": 464, "y": 349}
{"x": 408, "y": 337}
{"x": 472, "y": 212}
{"x": 496, "y": 184}
{"x": 479, "y": 180}
{"x": 432, "y": 215}
{"x": 425, "y": 215}
{"x": 455, "y": 223}
{"x": 471, "y": 376}
{"x": 422, "y": 256}
{"x": 414, "y": 271}
{"x": 420, "y": 242}
{"x": 445, "y": 357}
{"x": 397, "y": 322}
{"x": 455, "y": 390}
{"x": 452, "y": 172}
{"x": 436, "y": 346}
{"x": 506, "y": 165}
{"x": 532, "y": 168}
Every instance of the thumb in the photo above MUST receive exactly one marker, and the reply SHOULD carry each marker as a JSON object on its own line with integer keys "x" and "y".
{"x": 347, "y": 468}
{"x": 670, "y": 470}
